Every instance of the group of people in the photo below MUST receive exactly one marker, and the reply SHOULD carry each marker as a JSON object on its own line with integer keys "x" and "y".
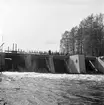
{"x": 45, "y": 53}
{"x": 36, "y": 52}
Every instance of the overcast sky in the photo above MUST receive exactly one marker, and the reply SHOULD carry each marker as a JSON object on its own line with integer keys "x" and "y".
{"x": 39, "y": 24}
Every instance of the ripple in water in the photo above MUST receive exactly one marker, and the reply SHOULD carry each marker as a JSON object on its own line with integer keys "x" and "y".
{"x": 56, "y": 89}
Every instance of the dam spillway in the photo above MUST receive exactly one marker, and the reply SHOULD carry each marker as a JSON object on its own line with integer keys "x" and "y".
{"x": 51, "y": 63}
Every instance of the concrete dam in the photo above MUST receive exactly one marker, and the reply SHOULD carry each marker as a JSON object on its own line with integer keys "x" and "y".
{"x": 51, "y": 63}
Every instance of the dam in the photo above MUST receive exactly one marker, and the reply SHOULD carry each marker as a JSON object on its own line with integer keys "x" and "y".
{"x": 50, "y": 63}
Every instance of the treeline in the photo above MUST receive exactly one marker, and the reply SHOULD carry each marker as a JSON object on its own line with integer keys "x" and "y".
{"x": 86, "y": 38}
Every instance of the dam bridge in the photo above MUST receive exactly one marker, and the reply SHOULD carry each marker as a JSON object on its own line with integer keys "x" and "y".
{"x": 51, "y": 63}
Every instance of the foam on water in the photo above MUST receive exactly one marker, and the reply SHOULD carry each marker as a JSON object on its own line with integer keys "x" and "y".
{"x": 56, "y": 76}
{"x": 29, "y": 88}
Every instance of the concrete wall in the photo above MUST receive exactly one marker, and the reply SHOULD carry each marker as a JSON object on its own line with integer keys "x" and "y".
{"x": 14, "y": 62}
{"x": 82, "y": 64}
{"x": 30, "y": 63}
{"x": 100, "y": 65}
{"x": 74, "y": 64}
{"x": 67, "y": 64}
{"x": 36, "y": 64}
{"x": 51, "y": 64}
{"x": 60, "y": 66}
{"x": 2, "y": 61}
{"x": 77, "y": 64}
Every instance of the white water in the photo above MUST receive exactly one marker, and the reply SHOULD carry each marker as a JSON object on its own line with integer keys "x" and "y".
{"x": 56, "y": 76}
{"x": 51, "y": 89}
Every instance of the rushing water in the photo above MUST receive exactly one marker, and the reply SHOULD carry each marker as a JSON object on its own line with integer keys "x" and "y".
{"x": 76, "y": 92}
{"x": 44, "y": 89}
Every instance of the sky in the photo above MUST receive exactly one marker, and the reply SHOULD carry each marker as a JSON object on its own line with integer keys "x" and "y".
{"x": 39, "y": 24}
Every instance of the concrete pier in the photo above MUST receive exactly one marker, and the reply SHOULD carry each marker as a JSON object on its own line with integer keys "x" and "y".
{"x": 77, "y": 64}
{"x": 51, "y": 64}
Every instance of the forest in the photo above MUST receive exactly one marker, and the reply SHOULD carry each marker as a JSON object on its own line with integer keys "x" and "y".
{"x": 87, "y": 38}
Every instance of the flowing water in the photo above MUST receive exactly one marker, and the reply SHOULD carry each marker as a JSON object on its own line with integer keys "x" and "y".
{"x": 51, "y": 89}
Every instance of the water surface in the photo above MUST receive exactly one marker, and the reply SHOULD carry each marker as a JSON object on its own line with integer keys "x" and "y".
{"x": 52, "y": 89}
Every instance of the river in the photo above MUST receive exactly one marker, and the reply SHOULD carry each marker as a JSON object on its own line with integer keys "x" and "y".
{"x": 51, "y": 89}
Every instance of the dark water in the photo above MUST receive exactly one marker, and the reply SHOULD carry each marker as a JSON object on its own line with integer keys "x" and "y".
{"x": 69, "y": 91}
{"x": 48, "y": 89}
{"x": 82, "y": 92}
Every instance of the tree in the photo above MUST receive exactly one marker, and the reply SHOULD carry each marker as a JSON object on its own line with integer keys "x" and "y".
{"x": 72, "y": 40}
{"x": 64, "y": 43}
{"x": 87, "y": 38}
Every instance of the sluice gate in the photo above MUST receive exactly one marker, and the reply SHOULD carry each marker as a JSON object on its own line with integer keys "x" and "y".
{"x": 91, "y": 66}
{"x": 75, "y": 64}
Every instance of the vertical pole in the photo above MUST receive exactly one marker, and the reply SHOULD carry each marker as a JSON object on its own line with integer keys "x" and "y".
{"x": 2, "y": 42}
{"x": 13, "y": 46}
{"x": 8, "y": 48}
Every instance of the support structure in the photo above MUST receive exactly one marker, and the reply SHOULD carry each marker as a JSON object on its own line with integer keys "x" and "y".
{"x": 77, "y": 64}
{"x": 51, "y": 64}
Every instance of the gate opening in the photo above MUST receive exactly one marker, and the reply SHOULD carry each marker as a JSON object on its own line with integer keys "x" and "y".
{"x": 60, "y": 66}
{"x": 90, "y": 67}
{"x": 42, "y": 65}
